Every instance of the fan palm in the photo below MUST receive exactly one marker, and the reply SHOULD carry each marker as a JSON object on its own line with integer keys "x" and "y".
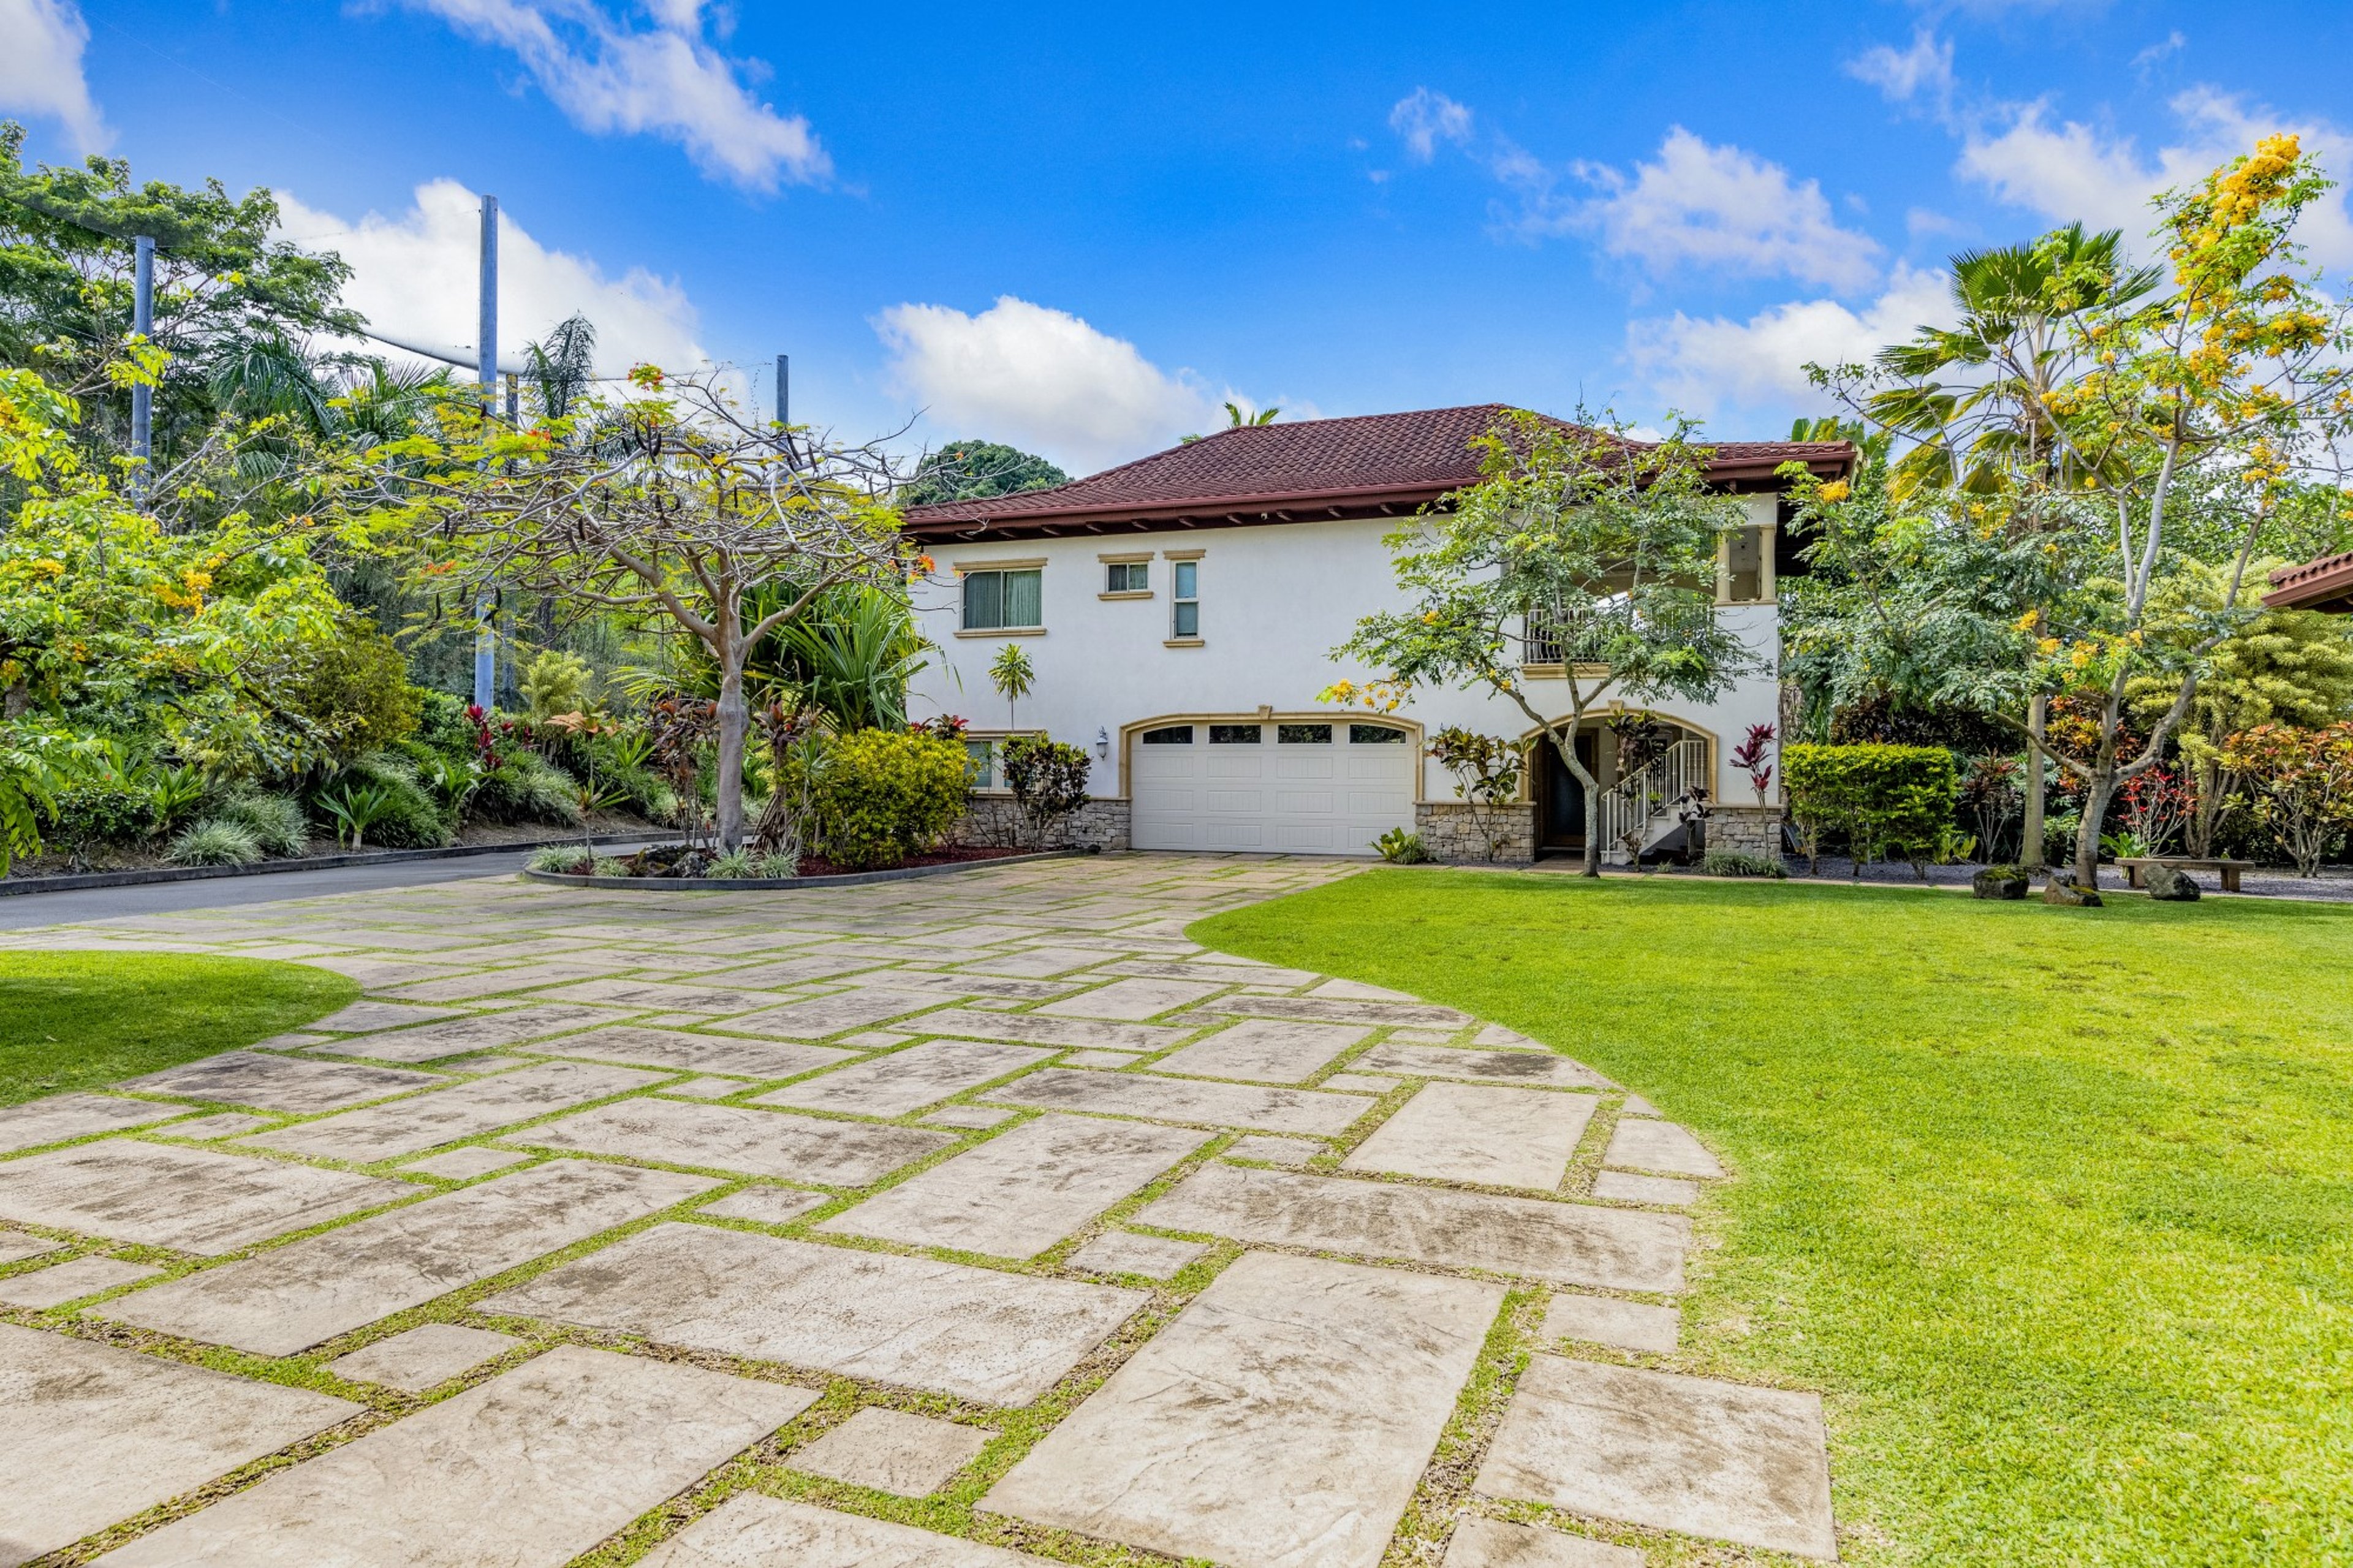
{"x": 1973, "y": 395}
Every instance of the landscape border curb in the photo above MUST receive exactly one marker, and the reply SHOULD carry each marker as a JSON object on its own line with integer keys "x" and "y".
{"x": 786, "y": 884}
{"x": 77, "y": 881}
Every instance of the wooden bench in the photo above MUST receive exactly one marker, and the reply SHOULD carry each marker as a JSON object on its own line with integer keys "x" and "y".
{"x": 2230, "y": 869}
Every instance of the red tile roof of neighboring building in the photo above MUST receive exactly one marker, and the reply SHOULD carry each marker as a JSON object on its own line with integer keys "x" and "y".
{"x": 1373, "y": 465}
{"x": 2323, "y": 584}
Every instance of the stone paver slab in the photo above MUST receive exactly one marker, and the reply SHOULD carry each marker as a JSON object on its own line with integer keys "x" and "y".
{"x": 705, "y": 1087}
{"x": 492, "y": 981}
{"x": 483, "y": 1031}
{"x": 1629, "y": 1187}
{"x": 64, "y": 1116}
{"x": 46, "y": 1287}
{"x": 699, "y": 1053}
{"x": 1479, "y": 1066}
{"x": 910, "y": 1456}
{"x": 423, "y": 1357}
{"x": 1019, "y": 1194}
{"x": 1032, "y": 1029}
{"x": 821, "y": 1016}
{"x": 292, "y": 1084}
{"x": 1478, "y": 1542}
{"x": 742, "y": 1138}
{"x": 1233, "y": 972}
{"x": 1095, "y": 1057}
{"x": 1720, "y": 1460}
{"x": 15, "y": 1245}
{"x": 1659, "y": 1146}
{"x": 1133, "y": 1000}
{"x": 97, "y": 1434}
{"x": 465, "y": 1164}
{"x": 1338, "y": 1010}
{"x": 973, "y": 1118}
{"x": 197, "y": 1200}
{"x": 1293, "y": 1152}
{"x": 288, "y": 1300}
{"x": 766, "y": 1205}
{"x": 752, "y": 1530}
{"x": 1035, "y": 962}
{"x": 1606, "y": 1320}
{"x": 220, "y": 1124}
{"x": 1270, "y": 1050}
{"x": 1479, "y": 1133}
{"x": 462, "y": 1110}
{"x": 1281, "y": 1421}
{"x": 362, "y": 1017}
{"x": 1183, "y": 1100}
{"x": 1125, "y": 1252}
{"x": 1567, "y": 1243}
{"x": 527, "y": 1471}
{"x": 784, "y": 971}
{"x": 900, "y": 1081}
{"x": 999, "y": 1339}
{"x": 657, "y": 994}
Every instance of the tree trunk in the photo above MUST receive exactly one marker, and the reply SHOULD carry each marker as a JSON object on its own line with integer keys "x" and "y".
{"x": 734, "y": 723}
{"x": 2095, "y": 813}
{"x": 1565, "y": 748}
{"x": 2029, "y": 832}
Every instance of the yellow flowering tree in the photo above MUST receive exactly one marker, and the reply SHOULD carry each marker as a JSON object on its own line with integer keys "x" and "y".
{"x": 112, "y": 621}
{"x": 2123, "y": 429}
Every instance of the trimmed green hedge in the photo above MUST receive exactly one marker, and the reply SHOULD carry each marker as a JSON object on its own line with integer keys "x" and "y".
{"x": 1886, "y": 801}
{"x": 884, "y": 794}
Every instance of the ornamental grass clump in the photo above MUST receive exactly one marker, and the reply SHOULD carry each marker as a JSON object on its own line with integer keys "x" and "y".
{"x": 214, "y": 842}
{"x": 275, "y": 821}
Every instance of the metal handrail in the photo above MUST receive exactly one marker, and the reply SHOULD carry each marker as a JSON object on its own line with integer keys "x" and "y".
{"x": 1640, "y": 799}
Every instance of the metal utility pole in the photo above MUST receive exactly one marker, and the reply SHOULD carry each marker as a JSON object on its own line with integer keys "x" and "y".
{"x": 486, "y": 351}
{"x": 784, "y": 389}
{"x": 142, "y": 396}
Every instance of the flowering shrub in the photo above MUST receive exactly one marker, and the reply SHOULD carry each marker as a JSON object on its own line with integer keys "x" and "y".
{"x": 2300, "y": 784}
{"x": 881, "y": 796}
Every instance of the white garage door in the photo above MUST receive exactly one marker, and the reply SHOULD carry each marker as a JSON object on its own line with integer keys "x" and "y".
{"x": 1316, "y": 789}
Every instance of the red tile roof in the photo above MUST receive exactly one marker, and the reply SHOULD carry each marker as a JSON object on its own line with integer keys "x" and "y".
{"x": 1372, "y": 465}
{"x": 2323, "y": 584}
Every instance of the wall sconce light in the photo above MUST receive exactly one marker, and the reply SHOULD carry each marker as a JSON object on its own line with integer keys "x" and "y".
{"x": 1102, "y": 743}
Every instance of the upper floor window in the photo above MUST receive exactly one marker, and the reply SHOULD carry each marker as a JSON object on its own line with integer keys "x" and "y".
{"x": 1185, "y": 599}
{"x": 1002, "y": 600}
{"x": 1127, "y": 577}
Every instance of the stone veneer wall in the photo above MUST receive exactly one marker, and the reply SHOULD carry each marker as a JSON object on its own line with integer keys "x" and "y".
{"x": 1448, "y": 834}
{"x": 992, "y": 820}
{"x": 1745, "y": 829}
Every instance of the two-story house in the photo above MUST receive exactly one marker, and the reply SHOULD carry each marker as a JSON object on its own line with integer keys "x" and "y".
{"x": 1180, "y": 614}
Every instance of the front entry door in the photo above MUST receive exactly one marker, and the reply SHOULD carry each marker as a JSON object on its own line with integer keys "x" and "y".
{"x": 1561, "y": 799}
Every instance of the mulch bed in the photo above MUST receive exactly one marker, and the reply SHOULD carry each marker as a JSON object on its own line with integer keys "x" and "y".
{"x": 676, "y": 862}
{"x": 819, "y": 866}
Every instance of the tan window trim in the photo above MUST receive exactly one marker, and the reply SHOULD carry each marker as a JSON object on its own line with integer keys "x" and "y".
{"x": 963, "y": 566}
{"x": 1184, "y": 642}
{"x": 1182, "y": 554}
{"x": 1003, "y": 632}
{"x": 1125, "y": 558}
{"x": 1127, "y": 594}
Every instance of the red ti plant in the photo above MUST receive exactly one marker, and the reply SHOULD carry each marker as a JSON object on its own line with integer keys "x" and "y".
{"x": 1753, "y": 755}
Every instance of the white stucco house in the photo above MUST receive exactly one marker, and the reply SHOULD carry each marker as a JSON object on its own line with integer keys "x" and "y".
{"x": 1180, "y": 613}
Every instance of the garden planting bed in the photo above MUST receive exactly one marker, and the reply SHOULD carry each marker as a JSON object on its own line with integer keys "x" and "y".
{"x": 815, "y": 872}
{"x": 154, "y": 868}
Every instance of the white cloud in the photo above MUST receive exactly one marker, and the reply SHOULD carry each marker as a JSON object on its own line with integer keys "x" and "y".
{"x": 1043, "y": 380}
{"x": 1904, "y": 74}
{"x": 2071, "y": 171}
{"x": 1724, "y": 208}
{"x": 41, "y": 71}
{"x": 417, "y": 277}
{"x": 1424, "y": 118}
{"x": 667, "y": 81}
{"x": 1701, "y": 364}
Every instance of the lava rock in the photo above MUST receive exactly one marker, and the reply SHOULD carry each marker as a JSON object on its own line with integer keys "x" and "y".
{"x": 2001, "y": 883}
{"x": 2169, "y": 885}
{"x": 2069, "y": 895}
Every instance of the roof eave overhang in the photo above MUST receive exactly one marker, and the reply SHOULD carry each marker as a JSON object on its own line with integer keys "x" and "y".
{"x": 2323, "y": 584}
{"x": 1296, "y": 506}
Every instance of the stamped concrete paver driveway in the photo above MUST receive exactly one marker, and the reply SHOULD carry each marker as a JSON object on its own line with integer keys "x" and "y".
{"x": 980, "y": 1219}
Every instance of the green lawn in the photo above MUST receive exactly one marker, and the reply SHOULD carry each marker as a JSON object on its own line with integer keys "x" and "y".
{"x": 2054, "y": 1206}
{"x": 76, "y": 1020}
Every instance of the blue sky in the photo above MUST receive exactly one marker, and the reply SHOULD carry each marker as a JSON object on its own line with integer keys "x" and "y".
{"x": 1079, "y": 229}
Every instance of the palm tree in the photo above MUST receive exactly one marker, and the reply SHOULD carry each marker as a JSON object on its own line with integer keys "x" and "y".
{"x": 563, "y": 367}
{"x": 1236, "y": 419}
{"x": 2005, "y": 355}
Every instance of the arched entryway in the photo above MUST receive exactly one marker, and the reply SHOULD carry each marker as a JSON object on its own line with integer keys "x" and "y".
{"x": 1648, "y": 776}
